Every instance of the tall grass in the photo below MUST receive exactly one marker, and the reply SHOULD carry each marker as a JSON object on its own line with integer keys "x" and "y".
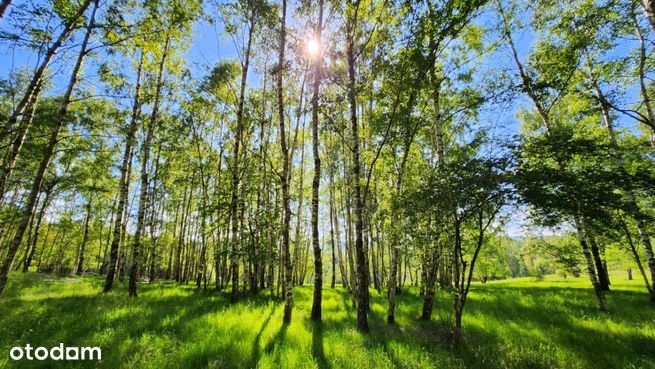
{"x": 519, "y": 323}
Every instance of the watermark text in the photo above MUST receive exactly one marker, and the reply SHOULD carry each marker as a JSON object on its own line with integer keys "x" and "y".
{"x": 56, "y": 353}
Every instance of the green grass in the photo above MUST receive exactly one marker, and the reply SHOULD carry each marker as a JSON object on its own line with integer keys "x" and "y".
{"x": 518, "y": 323}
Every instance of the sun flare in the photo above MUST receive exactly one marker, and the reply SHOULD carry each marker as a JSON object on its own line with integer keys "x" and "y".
{"x": 313, "y": 47}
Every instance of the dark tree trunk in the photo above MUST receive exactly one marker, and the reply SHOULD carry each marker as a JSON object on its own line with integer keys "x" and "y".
{"x": 431, "y": 282}
{"x": 457, "y": 329}
{"x": 598, "y": 262}
{"x": 360, "y": 256}
{"x": 3, "y": 7}
{"x": 318, "y": 261}
{"x": 591, "y": 270}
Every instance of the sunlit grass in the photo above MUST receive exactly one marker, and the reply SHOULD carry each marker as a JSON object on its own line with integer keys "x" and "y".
{"x": 521, "y": 323}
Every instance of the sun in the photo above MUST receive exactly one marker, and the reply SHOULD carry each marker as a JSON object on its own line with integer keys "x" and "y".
{"x": 313, "y": 47}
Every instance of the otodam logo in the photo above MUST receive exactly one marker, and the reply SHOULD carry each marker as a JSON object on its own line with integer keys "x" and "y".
{"x": 56, "y": 353}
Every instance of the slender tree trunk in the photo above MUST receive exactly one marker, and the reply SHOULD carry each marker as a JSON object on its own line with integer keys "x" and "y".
{"x": 202, "y": 270}
{"x": 352, "y": 278}
{"x": 169, "y": 268}
{"x": 35, "y": 237}
{"x": 180, "y": 239}
{"x": 152, "y": 269}
{"x": 46, "y": 262}
{"x": 30, "y": 232}
{"x": 79, "y": 269}
{"x": 431, "y": 281}
{"x": 298, "y": 244}
{"x": 337, "y": 233}
{"x": 457, "y": 265}
{"x": 262, "y": 192}
{"x": 366, "y": 246}
{"x": 604, "y": 261}
{"x": 234, "y": 199}
{"x": 43, "y": 246}
{"x": 332, "y": 221}
{"x": 305, "y": 259}
{"x": 375, "y": 250}
{"x": 124, "y": 181}
{"x": 393, "y": 273}
{"x": 102, "y": 264}
{"x": 635, "y": 254}
{"x": 218, "y": 265}
{"x": 270, "y": 273}
{"x": 318, "y": 261}
{"x": 429, "y": 277}
{"x": 395, "y": 243}
{"x": 463, "y": 280}
{"x": 59, "y": 122}
{"x": 379, "y": 231}
{"x": 632, "y": 202}
{"x": 598, "y": 262}
{"x": 362, "y": 282}
{"x": 591, "y": 270}
{"x": 181, "y": 260}
{"x": 143, "y": 191}
{"x": 284, "y": 176}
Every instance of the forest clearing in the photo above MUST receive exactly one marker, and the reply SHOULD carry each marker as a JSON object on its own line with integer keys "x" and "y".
{"x": 519, "y": 323}
{"x": 327, "y": 183}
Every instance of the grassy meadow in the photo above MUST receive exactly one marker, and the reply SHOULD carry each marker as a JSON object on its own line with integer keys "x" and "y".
{"x": 520, "y": 323}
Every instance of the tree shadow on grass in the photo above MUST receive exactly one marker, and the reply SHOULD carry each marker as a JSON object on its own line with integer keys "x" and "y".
{"x": 276, "y": 343}
{"x": 538, "y": 326}
{"x": 254, "y": 356}
{"x": 318, "y": 352}
{"x": 504, "y": 326}
{"x": 123, "y": 327}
